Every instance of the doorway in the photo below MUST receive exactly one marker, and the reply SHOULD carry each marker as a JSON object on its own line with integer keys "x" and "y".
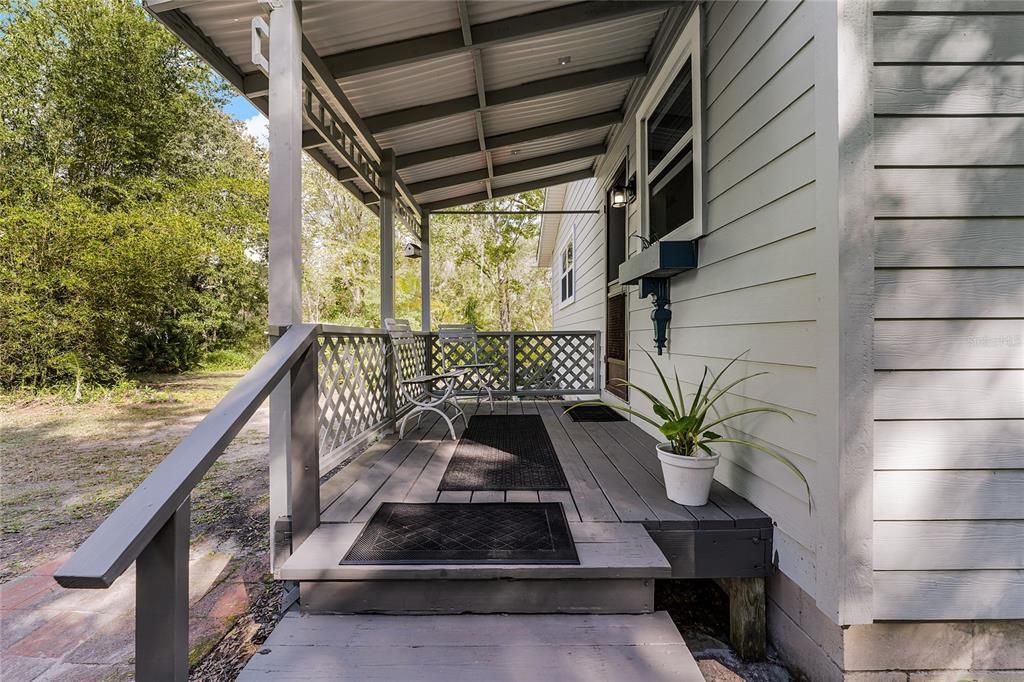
{"x": 616, "y": 318}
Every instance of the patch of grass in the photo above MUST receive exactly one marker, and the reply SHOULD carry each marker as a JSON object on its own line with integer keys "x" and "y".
{"x": 124, "y": 392}
{"x": 98, "y": 503}
{"x": 229, "y": 360}
{"x": 202, "y": 648}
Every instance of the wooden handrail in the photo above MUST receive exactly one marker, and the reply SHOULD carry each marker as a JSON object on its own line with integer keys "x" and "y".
{"x": 119, "y": 541}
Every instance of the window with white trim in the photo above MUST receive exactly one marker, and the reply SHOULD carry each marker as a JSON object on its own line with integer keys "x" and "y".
{"x": 669, "y": 140}
{"x": 567, "y": 270}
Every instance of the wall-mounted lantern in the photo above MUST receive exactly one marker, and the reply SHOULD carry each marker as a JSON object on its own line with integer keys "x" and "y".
{"x": 625, "y": 194}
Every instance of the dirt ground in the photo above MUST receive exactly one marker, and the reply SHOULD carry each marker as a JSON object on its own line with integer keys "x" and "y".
{"x": 65, "y": 467}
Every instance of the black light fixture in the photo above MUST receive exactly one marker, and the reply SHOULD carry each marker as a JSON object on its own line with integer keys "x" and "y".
{"x": 619, "y": 199}
{"x": 625, "y": 194}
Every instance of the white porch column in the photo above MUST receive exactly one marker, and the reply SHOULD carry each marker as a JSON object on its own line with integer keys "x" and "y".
{"x": 425, "y": 273}
{"x": 387, "y": 236}
{"x": 285, "y": 265}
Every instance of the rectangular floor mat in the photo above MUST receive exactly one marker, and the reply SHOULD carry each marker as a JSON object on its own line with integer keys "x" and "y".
{"x": 504, "y": 452}
{"x": 453, "y": 533}
{"x": 595, "y": 413}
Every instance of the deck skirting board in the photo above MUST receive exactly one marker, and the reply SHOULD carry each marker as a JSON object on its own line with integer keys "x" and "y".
{"x": 725, "y": 553}
{"x": 500, "y": 595}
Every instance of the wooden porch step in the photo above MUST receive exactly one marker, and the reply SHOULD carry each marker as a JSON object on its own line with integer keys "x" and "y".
{"x": 473, "y": 647}
{"x": 606, "y": 550}
{"x": 618, "y": 565}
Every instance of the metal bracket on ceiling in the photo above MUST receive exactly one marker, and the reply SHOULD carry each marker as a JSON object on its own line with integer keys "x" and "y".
{"x": 260, "y": 30}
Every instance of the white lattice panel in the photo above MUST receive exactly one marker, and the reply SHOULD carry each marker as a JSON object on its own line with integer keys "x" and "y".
{"x": 353, "y": 387}
{"x": 491, "y": 348}
{"x": 354, "y": 384}
{"x": 547, "y": 363}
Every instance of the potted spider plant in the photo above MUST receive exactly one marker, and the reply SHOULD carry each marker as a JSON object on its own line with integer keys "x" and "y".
{"x": 688, "y": 457}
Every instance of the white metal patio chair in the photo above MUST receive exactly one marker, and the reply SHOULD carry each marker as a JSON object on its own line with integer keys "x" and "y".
{"x": 431, "y": 400}
{"x": 462, "y": 337}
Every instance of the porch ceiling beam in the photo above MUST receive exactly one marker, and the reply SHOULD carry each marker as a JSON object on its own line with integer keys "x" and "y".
{"x": 542, "y": 132}
{"x": 481, "y": 92}
{"x": 511, "y": 189}
{"x": 485, "y": 35}
{"x": 311, "y": 138}
{"x": 182, "y": 26}
{"x": 508, "y": 168}
{"x": 516, "y": 93}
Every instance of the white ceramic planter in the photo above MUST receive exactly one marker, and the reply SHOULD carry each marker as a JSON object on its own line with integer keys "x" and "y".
{"x": 687, "y": 479}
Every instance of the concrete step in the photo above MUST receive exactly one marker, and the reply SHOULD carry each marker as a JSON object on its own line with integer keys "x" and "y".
{"x": 475, "y": 647}
{"x": 618, "y": 566}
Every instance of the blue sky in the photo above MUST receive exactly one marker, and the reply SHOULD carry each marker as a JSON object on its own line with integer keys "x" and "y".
{"x": 240, "y": 109}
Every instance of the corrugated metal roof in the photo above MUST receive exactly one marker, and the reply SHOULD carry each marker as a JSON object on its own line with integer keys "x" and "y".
{"x": 411, "y": 85}
{"x": 227, "y": 24}
{"x": 439, "y": 169}
{"x": 541, "y": 173}
{"x": 550, "y": 145}
{"x": 591, "y": 47}
{"x": 554, "y": 108}
{"x": 429, "y": 134}
{"x": 450, "y": 192}
{"x": 482, "y": 11}
{"x": 334, "y": 27}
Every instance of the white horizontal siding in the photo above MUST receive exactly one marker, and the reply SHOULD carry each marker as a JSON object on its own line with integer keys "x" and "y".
{"x": 586, "y": 312}
{"x": 949, "y": 333}
{"x": 755, "y": 287}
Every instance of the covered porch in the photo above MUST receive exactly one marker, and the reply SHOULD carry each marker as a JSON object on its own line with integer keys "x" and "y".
{"x": 416, "y": 108}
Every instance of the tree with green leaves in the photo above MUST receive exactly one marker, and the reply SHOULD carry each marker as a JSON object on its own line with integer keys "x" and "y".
{"x": 132, "y": 209}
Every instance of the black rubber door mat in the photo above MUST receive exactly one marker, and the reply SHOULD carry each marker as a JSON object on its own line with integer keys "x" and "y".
{"x": 595, "y": 413}
{"x": 454, "y": 533}
{"x": 504, "y": 452}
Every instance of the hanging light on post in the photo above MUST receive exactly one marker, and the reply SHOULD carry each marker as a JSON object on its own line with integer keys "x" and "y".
{"x": 625, "y": 194}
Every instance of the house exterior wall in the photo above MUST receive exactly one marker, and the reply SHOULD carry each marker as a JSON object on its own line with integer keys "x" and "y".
{"x": 949, "y": 334}
{"x": 755, "y": 286}
{"x": 864, "y": 238}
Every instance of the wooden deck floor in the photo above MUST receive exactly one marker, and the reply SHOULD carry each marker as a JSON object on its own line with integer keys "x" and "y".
{"x": 627, "y": 533}
{"x": 613, "y": 473}
{"x": 469, "y": 648}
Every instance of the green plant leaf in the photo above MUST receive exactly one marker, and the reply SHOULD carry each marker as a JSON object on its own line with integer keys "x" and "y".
{"x": 705, "y": 448}
{"x": 717, "y": 377}
{"x": 663, "y": 412}
{"x": 710, "y": 435}
{"x": 781, "y": 458}
{"x": 749, "y": 410}
{"x": 713, "y": 399}
{"x": 700, "y": 390}
{"x": 664, "y": 382}
{"x": 675, "y": 427}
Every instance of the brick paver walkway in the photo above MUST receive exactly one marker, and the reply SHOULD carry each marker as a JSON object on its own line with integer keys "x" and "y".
{"x": 49, "y": 633}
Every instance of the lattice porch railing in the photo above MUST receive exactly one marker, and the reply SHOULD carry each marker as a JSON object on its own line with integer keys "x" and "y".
{"x": 359, "y": 399}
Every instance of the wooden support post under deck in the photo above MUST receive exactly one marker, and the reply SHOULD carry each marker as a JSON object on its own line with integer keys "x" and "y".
{"x": 161, "y": 598}
{"x": 425, "y": 274}
{"x": 285, "y": 259}
{"x": 747, "y": 630}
